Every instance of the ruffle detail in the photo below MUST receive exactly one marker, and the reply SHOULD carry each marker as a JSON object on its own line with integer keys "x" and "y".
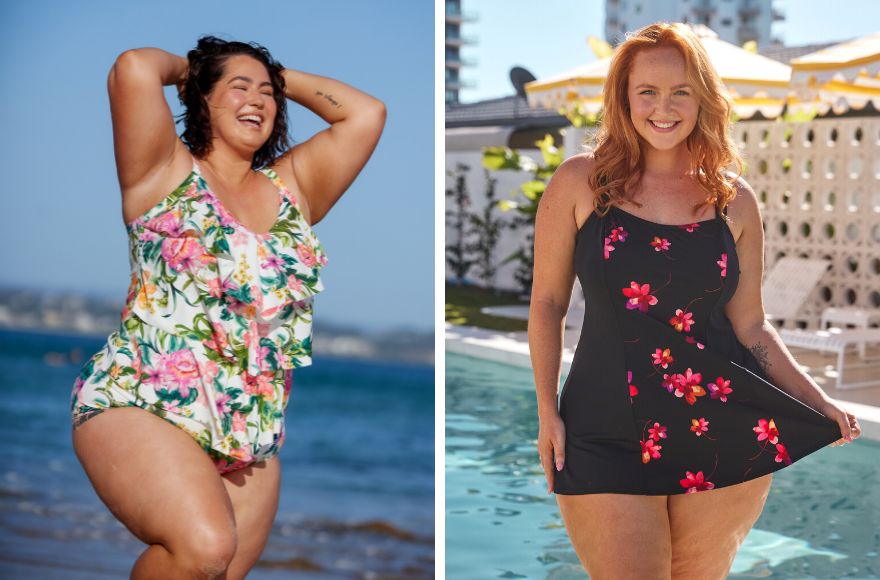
{"x": 249, "y": 296}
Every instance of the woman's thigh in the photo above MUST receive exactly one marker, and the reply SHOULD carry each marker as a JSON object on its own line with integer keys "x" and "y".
{"x": 253, "y": 492}
{"x": 619, "y": 536}
{"x": 155, "y": 479}
{"x": 708, "y": 527}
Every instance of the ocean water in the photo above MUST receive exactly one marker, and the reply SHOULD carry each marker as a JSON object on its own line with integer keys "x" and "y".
{"x": 821, "y": 519}
{"x": 357, "y": 497}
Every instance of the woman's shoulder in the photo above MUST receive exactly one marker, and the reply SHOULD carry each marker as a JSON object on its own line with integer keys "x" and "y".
{"x": 745, "y": 199}
{"x": 570, "y": 185}
{"x": 572, "y": 177}
{"x": 744, "y": 209}
{"x": 577, "y": 167}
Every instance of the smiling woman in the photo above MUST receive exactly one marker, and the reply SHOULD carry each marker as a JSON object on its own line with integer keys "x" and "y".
{"x": 187, "y": 398}
{"x": 681, "y": 400}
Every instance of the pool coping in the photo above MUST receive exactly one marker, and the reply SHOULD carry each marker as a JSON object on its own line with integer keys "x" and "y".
{"x": 512, "y": 348}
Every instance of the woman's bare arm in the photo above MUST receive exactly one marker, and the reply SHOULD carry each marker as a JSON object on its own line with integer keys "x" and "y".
{"x": 746, "y": 309}
{"x": 326, "y": 164}
{"x": 555, "y": 232}
{"x": 144, "y": 136}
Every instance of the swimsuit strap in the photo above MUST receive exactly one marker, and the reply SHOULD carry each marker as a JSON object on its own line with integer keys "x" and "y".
{"x": 276, "y": 179}
{"x": 271, "y": 174}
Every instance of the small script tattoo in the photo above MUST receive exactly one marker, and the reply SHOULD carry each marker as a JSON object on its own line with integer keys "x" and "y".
{"x": 760, "y": 353}
{"x": 330, "y": 98}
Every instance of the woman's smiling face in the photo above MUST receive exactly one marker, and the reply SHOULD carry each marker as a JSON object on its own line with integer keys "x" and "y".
{"x": 663, "y": 104}
{"x": 242, "y": 104}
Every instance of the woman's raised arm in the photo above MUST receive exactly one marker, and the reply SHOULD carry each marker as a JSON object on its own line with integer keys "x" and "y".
{"x": 144, "y": 137}
{"x": 327, "y": 163}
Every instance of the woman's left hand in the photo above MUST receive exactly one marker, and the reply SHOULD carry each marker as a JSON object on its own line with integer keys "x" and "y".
{"x": 849, "y": 425}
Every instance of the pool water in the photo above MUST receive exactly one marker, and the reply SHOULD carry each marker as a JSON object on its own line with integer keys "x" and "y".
{"x": 821, "y": 520}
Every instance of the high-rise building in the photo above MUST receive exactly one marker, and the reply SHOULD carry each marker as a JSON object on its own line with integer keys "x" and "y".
{"x": 736, "y": 21}
{"x": 454, "y": 43}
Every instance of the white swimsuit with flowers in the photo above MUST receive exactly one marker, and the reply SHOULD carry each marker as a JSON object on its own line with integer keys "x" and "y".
{"x": 215, "y": 319}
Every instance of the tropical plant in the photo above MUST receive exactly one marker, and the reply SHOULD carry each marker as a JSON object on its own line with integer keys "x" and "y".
{"x": 486, "y": 227}
{"x": 457, "y": 220}
{"x": 526, "y": 200}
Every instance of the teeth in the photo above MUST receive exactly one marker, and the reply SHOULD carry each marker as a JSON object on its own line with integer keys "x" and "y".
{"x": 253, "y": 118}
{"x": 664, "y": 125}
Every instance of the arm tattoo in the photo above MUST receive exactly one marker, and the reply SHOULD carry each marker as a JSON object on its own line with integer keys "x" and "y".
{"x": 330, "y": 98}
{"x": 760, "y": 353}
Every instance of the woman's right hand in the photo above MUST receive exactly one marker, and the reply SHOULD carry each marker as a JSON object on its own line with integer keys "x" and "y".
{"x": 551, "y": 446}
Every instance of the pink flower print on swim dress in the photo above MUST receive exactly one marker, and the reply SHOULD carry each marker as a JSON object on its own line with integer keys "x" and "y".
{"x": 650, "y": 450}
{"x": 633, "y": 390}
{"x": 719, "y": 389}
{"x": 662, "y": 358}
{"x": 639, "y": 297}
{"x": 687, "y": 385}
{"x": 767, "y": 430}
{"x": 695, "y": 483}
{"x": 682, "y": 321}
{"x": 618, "y": 234}
{"x": 184, "y": 254}
{"x": 699, "y": 426}
{"x": 722, "y": 263}
{"x": 660, "y": 244}
{"x": 657, "y": 432}
{"x": 782, "y": 455}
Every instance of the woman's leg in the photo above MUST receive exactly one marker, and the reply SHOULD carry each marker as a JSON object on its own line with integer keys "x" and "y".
{"x": 619, "y": 536}
{"x": 163, "y": 487}
{"x": 708, "y": 527}
{"x": 254, "y": 495}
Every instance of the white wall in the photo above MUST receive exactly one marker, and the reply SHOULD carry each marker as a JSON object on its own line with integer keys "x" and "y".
{"x": 508, "y": 182}
{"x": 827, "y": 203}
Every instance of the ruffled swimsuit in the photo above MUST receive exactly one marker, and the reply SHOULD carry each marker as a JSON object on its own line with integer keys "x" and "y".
{"x": 215, "y": 320}
{"x": 662, "y": 398}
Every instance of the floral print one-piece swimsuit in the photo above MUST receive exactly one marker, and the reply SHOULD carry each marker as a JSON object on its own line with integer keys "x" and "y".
{"x": 662, "y": 398}
{"x": 215, "y": 320}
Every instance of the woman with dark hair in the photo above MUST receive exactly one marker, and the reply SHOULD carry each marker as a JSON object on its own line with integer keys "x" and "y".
{"x": 661, "y": 446}
{"x": 224, "y": 269}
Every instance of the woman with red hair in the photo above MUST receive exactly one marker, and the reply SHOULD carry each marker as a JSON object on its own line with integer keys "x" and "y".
{"x": 681, "y": 400}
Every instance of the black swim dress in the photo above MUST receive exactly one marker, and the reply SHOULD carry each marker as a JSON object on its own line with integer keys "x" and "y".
{"x": 662, "y": 398}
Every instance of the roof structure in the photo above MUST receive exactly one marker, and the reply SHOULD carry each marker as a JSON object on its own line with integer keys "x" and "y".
{"x": 513, "y": 111}
{"x": 785, "y": 54}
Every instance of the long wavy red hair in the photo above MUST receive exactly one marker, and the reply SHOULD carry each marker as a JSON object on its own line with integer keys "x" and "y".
{"x": 619, "y": 162}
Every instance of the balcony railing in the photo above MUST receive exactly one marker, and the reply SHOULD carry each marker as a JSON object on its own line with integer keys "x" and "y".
{"x": 458, "y": 39}
{"x": 460, "y": 17}
{"x": 458, "y": 60}
{"x": 460, "y": 84}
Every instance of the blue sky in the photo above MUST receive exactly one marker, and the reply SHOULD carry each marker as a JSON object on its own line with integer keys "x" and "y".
{"x": 62, "y": 227}
{"x": 550, "y": 37}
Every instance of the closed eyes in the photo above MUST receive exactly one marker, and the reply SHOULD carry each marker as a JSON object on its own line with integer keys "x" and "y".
{"x": 265, "y": 93}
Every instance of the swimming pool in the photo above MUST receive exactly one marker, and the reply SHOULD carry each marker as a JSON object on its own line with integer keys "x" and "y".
{"x": 821, "y": 520}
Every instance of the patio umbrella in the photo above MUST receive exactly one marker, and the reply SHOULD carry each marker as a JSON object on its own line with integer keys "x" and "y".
{"x": 841, "y": 77}
{"x": 757, "y": 83}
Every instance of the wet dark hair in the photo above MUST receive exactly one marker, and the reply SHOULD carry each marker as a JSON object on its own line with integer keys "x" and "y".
{"x": 206, "y": 65}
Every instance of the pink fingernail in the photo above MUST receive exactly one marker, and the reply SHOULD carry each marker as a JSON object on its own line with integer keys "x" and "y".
{"x": 558, "y": 466}
{"x": 848, "y": 437}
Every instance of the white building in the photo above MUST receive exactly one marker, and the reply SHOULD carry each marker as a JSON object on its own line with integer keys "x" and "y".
{"x": 736, "y": 21}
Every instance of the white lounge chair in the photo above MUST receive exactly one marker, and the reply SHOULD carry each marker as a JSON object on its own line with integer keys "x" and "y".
{"x": 785, "y": 290}
{"x": 837, "y": 340}
{"x": 788, "y": 285}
